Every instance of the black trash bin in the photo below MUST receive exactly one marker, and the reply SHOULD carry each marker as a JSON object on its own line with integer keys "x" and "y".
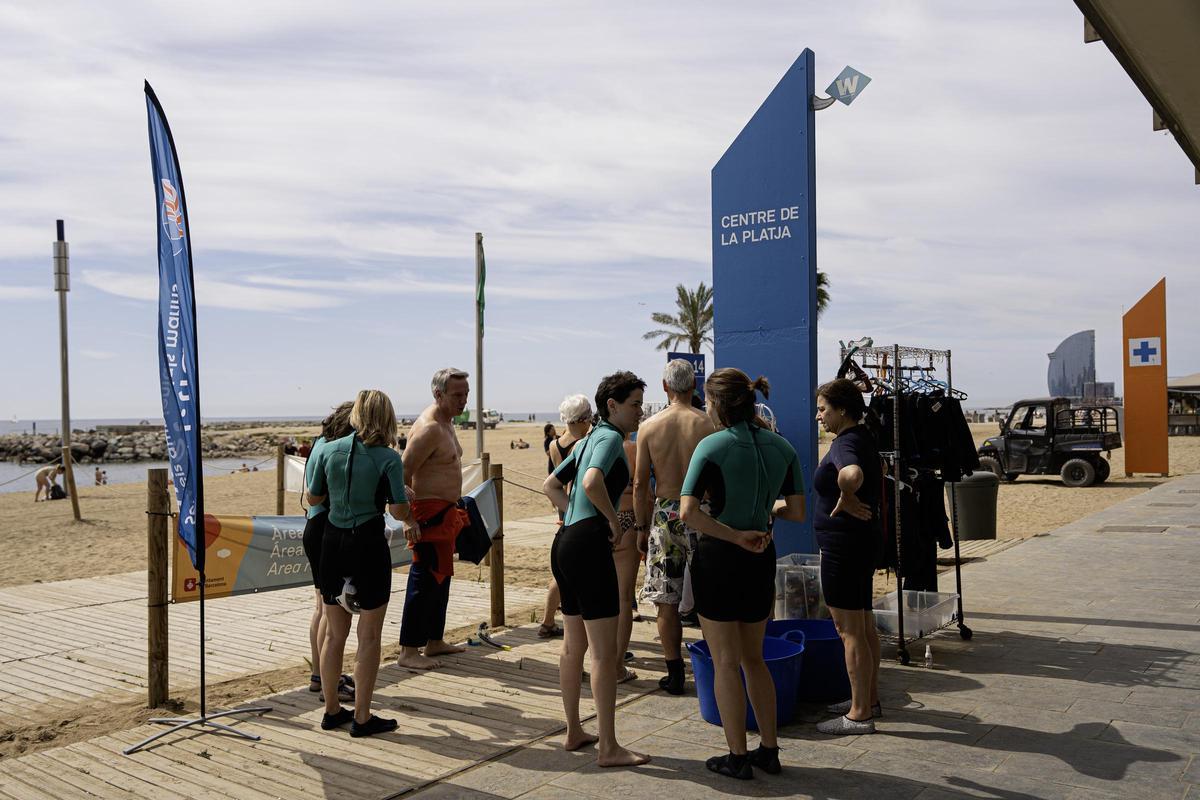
{"x": 975, "y": 496}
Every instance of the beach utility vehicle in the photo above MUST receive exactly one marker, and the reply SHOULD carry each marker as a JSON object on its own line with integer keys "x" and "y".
{"x": 491, "y": 418}
{"x": 1046, "y": 436}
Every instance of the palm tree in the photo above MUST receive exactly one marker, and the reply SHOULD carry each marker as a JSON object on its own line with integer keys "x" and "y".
{"x": 822, "y": 293}
{"x": 694, "y": 323}
{"x": 691, "y": 326}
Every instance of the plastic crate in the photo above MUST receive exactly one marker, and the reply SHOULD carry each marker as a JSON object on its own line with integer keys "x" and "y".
{"x": 798, "y": 587}
{"x": 924, "y": 613}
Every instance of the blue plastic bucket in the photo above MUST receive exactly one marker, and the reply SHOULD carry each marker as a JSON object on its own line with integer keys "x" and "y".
{"x": 823, "y": 677}
{"x": 784, "y": 659}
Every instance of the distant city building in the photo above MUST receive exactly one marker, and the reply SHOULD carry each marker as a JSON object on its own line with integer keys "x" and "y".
{"x": 1073, "y": 366}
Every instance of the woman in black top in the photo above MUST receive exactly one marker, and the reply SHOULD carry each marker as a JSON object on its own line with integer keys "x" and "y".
{"x": 549, "y": 434}
{"x": 848, "y": 486}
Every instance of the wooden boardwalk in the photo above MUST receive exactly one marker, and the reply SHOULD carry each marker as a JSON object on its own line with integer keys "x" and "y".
{"x": 477, "y": 707}
{"x": 73, "y": 641}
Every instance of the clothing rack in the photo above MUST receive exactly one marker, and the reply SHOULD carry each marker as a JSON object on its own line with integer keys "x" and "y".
{"x": 878, "y": 358}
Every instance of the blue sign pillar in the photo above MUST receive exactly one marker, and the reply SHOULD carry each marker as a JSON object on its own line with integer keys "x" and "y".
{"x": 764, "y": 240}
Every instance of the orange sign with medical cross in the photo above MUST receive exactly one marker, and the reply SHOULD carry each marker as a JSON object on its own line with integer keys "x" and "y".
{"x": 1144, "y": 330}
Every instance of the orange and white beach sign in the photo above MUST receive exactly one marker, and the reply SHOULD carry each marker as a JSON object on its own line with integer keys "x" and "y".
{"x": 1144, "y": 330}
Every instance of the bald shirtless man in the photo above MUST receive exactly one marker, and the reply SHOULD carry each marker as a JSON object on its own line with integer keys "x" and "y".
{"x": 433, "y": 470}
{"x": 665, "y": 444}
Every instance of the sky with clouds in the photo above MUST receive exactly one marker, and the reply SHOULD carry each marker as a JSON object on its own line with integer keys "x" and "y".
{"x": 995, "y": 189}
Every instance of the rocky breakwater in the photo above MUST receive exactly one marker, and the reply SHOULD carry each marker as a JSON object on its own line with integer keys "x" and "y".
{"x": 104, "y": 446}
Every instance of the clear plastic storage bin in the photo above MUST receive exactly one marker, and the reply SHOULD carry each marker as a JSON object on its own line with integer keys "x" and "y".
{"x": 798, "y": 588}
{"x": 924, "y": 612}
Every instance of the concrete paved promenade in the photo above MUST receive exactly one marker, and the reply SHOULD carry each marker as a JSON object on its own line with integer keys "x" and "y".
{"x": 1082, "y": 681}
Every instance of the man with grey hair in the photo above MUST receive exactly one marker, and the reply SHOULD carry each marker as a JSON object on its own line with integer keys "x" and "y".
{"x": 433, "y": 471}
{"x": 665, "y": 444}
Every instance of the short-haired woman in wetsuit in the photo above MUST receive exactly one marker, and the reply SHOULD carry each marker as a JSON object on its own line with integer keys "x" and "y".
{"x": 334, "y": 426}
{"x": 744, "y": 469}
{"x": 576, "y": 413}
{"x": 847, "y": 485}
{"x": 348, "y": 472}
{"x": 582, "y": 563}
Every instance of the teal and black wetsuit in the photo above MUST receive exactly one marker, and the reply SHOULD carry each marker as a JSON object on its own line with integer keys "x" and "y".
{"x": 743, "y": 470}
{"x": 355, "y": 546}
{"x": 581, "y": 556}
{"x": 318, "y": 515}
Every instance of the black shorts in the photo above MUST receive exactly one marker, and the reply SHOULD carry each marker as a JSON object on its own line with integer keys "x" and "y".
{"x": 314, "y": 533}
{"x": 361, "y": 554}
{"x": 730, "y": 583}
{"x": 848, "y": 569}
{"x": 582, "y": 563}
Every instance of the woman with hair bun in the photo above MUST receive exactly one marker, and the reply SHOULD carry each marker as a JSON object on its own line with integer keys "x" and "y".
{"x": 847, "y": 485}
{"x": 749, "y": 474}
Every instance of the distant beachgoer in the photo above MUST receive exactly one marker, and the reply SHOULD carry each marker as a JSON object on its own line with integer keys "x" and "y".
{"x": 333, "y": 427}
{"x": 582, "y": 563}
{"x": 99, "y": 477}
{"x": 433, "y": 469}
{"x": 46, "y": 477}
{"x": 104, "y": 477}
{"x": 244, "y": 468}
{"x": 356, "y": 563}
{"x": 402, "y": 443}
{"x": 576, "y": 413}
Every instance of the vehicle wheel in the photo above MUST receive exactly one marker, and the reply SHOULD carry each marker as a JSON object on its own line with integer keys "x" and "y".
{"x": 1078, "y": 473}
{"x": 992, "y": 465}
{"x": 1103, "y": 469}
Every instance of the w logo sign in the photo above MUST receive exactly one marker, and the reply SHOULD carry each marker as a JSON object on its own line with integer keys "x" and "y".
{"x": 847, "y": 85}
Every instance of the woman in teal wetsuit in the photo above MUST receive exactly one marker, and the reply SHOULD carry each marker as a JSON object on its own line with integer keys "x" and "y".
{"x": 744, "y": 469}
{"x": 348, "y": 472}
{"x": 582, "y": 563}
{"x": 335, "y": 426}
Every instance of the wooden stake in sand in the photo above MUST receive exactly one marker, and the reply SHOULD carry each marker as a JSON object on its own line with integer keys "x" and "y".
{"x": 496, "y": 554}
{"x": 280, "y": 464}
{"x": 158, "y": 512}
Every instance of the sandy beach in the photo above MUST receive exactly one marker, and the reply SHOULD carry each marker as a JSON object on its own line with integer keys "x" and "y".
{"x": 49, "y": 546}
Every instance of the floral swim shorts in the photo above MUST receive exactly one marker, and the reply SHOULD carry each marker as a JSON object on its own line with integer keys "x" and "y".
{"x": 671, "y": 544}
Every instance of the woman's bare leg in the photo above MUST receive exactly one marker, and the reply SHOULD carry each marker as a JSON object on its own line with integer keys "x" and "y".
{"x": 725, "y": 643}
{"x": 850, "y": 626}
{"x": 602, "y": 640}
{"x": 366, "y": 662}
{"x": 759, "y": 683}
{"x": 570, "y": 672}
{"x": 337, "y": 628}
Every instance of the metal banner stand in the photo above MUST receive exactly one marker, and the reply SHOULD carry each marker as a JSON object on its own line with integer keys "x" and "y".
{"x": 205, "y": 721}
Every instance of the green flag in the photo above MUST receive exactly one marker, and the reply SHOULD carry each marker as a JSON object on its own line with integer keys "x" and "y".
{"x": 479, "y": 287}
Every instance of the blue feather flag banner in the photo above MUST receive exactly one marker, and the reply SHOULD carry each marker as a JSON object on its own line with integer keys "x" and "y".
{"x": 177, "y": 332}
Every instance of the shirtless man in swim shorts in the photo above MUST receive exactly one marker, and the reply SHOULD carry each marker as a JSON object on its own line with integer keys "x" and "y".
{"x": 665, "y": 444}
{"x": 433, "y": 470}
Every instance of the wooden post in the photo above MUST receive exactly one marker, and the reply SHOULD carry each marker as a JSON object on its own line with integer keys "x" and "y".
{"x": 62, "y": 285}
{"x": 485, "y": 464}
{"x": 158, "y": 509}
{"x": 496, "y": 473}
{"x": 280, "y": 465}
